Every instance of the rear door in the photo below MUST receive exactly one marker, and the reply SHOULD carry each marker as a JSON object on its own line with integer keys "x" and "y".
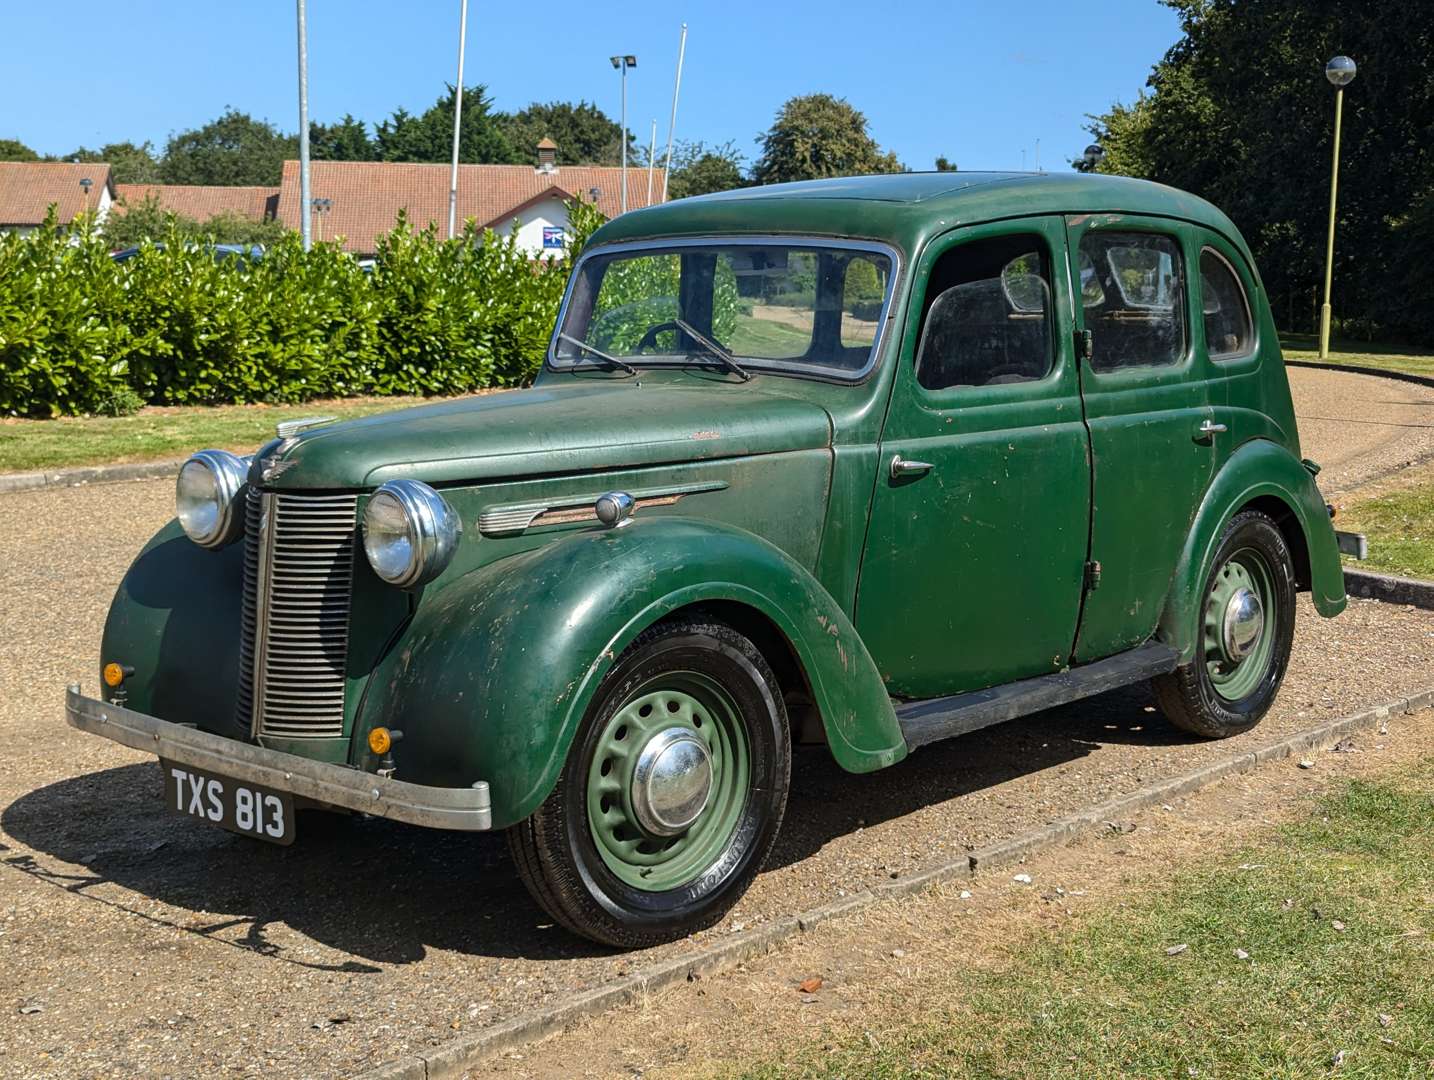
{"x": 980, "y": 521}
{"x": 1147, "y": 406}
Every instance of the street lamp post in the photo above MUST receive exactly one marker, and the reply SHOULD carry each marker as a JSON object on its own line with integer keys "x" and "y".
{"x": 1340, "y": 72}
{"x": 622, "y": 63}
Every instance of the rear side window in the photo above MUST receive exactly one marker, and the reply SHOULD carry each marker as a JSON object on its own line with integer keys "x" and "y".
{"x": 1226, "y": 311}
{"x": 1132, "y": 288}
{"x": 988, "y": 315}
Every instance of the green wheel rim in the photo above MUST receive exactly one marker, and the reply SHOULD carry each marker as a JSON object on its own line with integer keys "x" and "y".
{"x": 1236, "y": 678}
{"x": 698, "y": 704}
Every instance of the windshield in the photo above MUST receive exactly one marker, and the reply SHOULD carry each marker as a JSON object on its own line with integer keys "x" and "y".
{"x": 795, "y": 306}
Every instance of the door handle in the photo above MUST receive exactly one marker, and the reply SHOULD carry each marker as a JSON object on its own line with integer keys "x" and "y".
{"x": 1209, "y": 427}
{"x": 901, "y": 467}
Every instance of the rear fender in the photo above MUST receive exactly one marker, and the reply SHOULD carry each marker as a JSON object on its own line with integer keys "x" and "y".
{"x": 1264, "y": 473}
{"x": 494, "y": 675}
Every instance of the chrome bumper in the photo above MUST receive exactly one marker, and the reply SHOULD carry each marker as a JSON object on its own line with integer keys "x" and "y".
{"x": 336, "y": 785}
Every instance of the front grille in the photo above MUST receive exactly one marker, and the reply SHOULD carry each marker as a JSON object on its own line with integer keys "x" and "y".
{"x": 298, "y": 579}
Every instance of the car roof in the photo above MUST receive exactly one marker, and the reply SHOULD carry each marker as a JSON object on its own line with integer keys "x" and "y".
{"x": 905, "y": 209}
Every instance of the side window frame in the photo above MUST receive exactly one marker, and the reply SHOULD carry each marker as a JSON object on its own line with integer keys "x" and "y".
{"x": 1044, "y": 230}
{"x": 1183, "y": 364}
{"x": 1234, "y": 264}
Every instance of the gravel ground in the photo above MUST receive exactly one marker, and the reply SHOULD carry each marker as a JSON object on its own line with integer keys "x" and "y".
{"x": 137, "y": 943}
{"x": 1361, "y": 427}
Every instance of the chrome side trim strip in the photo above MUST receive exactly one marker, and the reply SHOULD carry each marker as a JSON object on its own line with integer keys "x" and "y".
{"x": 516, "y": 518}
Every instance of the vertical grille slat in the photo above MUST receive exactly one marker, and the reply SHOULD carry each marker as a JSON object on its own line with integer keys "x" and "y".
{"x": 298, "y": 578}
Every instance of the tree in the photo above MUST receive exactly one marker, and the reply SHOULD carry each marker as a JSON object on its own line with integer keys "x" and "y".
{"x": 148, "y": 220}
{"x": 15, "y": 150}
{"x": 584, "y": 133}
{"x": 234, "y": 149}
{"x": 945, "y": 165}
{"x": 346, "y": 140}
{"x": 819, "y": 135}
{"x": 1239, "y": 111}
{"x": 405, "y": 137}
{"x": 129, "y": 164}
{"x": 698, "y": 169}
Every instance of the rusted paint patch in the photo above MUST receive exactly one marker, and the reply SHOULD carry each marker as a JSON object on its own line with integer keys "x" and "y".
{"x": 703, "y": 436}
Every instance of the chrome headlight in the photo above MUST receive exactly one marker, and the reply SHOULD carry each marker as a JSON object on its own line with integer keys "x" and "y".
{"x": 206, "y": 497}
{"x": 409, "y": 533}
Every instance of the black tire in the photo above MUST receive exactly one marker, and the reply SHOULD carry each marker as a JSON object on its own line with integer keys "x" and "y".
{"x": 555, "y": 849}
{"x": 1189, "y": 695}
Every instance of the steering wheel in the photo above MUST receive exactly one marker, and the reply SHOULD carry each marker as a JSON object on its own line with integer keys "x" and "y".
{"x": 649, "y": 339}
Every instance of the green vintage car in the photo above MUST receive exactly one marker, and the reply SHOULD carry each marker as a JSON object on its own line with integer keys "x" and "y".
{"x": 867, "y": 462}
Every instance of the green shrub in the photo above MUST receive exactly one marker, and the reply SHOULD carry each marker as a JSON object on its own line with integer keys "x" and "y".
{"x": 174, "y": 325}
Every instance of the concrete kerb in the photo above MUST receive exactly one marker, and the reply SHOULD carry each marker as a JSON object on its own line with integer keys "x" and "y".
{"x": 451, "y": 1058}
{"x": 98, "y": 474}
{"x": 1390, "y": 589}
{"x": 1361, "y": 369}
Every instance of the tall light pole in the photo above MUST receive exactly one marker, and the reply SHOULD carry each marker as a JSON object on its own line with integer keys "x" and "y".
{"x": 457, "y": 121}
{"x": 651, "y": 161}
{"x": 1340, "y": 72}
{"x": 305, "y": 227}
{"x": 622, "y": 63}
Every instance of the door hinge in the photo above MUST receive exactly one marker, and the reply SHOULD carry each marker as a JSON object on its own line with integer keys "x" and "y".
{"x": 1084, "y": 344}
{"x": 1092, "y": 576}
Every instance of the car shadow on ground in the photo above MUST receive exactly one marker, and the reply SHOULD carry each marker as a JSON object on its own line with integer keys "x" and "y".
{"x": 383, "y": 893}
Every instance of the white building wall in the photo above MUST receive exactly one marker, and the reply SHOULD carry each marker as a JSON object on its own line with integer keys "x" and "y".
{"x": 546, "y": 214}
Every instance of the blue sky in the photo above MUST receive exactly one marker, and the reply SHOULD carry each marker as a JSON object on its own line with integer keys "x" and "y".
{"x": 977, "y": 82}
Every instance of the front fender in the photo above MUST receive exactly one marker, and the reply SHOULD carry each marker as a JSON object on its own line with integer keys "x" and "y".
{"x": 495, "y": 673}
{"x": 1260, "y": 469}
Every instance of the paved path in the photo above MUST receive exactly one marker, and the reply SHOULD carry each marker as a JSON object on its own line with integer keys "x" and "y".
{"x": 1360, "y": 427}
{"x": 152, "y": 945}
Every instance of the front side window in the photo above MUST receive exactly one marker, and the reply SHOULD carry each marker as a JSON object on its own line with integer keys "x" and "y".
{"x": 794, "y": 306}
{"x": 1223, "y": 304}
{"x": 988, "y": 317}
{"x": 1133, "y": 295}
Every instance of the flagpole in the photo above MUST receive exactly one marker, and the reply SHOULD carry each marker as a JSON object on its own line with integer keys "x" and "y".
{"x": 672, "y": 124}
{"x": 457, "y": 121}
{"x": 306, "y": 227}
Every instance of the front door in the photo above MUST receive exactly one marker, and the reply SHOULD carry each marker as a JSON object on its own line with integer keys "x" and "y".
{"x": 977, "y": 543}
{"x": 1147, "y": 402}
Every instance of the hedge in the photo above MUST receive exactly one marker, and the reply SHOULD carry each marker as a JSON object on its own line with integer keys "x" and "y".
{"x": 174, "y": 325}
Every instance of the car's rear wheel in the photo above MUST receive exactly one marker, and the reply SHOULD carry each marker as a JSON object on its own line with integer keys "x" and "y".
{"x": 1247, "y": 624}
{"x": 672, "y": 793}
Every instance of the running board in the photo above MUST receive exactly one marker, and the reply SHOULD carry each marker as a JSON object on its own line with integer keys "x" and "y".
{"x": 927, "y": 721}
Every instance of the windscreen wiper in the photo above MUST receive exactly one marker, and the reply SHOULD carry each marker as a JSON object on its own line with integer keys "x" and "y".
{"x": 599, "y": 353}
{"x": 712, "y": 347}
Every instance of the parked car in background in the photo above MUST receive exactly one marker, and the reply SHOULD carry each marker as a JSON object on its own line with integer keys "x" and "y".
{"x": 221, "y": 251}
{"x": 867, "y": 462}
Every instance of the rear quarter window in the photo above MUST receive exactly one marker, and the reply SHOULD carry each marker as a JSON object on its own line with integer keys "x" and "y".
{"x": 1225, "y": 308}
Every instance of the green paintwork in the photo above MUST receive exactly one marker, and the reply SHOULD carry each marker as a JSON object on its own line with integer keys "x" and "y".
{"x": 678, "y": 700}
{"x": 965, "y": 578}
{"x": 498, "y": 668}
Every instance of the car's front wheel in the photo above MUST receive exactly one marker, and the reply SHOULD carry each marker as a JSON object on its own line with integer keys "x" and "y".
{"x": 1247, "y": 625}
{"x": 672, "y": 793}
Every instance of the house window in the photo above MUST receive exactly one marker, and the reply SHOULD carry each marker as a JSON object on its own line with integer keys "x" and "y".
{"x": 1133, "y": 294}
{"x": 1225, "y": 309}
{"x": 988, "y": 319}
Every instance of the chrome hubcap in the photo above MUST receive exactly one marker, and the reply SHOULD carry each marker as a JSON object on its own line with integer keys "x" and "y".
{"x": 671, "y": 781}
{"x": 1244, "y": 620}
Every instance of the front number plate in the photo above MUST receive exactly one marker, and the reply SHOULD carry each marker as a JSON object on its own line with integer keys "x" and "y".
{"x": 235, "y": 805}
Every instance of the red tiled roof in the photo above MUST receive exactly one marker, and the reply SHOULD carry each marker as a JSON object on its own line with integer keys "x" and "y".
{"x": 367, "y": 196}
{"x": 27, "y": 188}
{"x": 202, "y": 202}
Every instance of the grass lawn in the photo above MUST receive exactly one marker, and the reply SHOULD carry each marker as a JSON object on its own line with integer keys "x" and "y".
{"x": 1403, "y": 358}
{"x": 158, "y": 433}
{"x": 1400, "y": 527}
{"x": 1333, "y": 916}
